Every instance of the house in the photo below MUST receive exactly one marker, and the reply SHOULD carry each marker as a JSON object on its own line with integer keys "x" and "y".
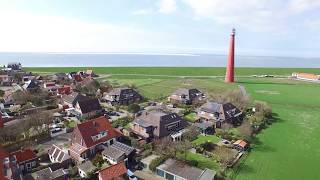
{"x": 117, "y": 171}
{"x": 65, "y": 90}
{"x": 26, "y": 159}
{"x": 6, "y": 80}
{"x": 8, "y": 166}
{"x": 72, "y": 99}
{"x": 306, "y": 76}
{"x": 15, "y": 66}
{"x": 60, "y": 77}
{"x": 219, "y": 113}
{"x": 157, "y": 124}
{"x": 90, "y": 137}
{"x": 122, "y": 96}
{"x": 186, "y": 96}
{"x": 28, "y": 77}
{"x": 31, "y": 85}
{"x": 177, "y": 170}
{"x": 85, "y": 169}
{"x": 241, "y": 145}
{"x": 119, "y": 152}
{"x": 205, "y": 127}
{"x": 88, "y": 107}
{"x": 59, "y": 156}
{"x": 49, "y": 174}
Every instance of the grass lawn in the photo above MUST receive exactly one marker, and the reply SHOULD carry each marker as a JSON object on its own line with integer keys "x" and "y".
{"x": 290, "y": 148}
{"x": 176, "y": 71}
{"x": 203, "y": 162}
{"x": 202, "y": 139}
{"x": 191, "y": 117}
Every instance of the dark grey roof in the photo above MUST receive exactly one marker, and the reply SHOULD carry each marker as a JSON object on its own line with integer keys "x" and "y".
{"x": 74, "y": 97}
{"x": 204, "y": 124}
{"x": 87, "y": 167}
{"x": 123, "y": 147}
{"x": 48, "y": 174}
{"x": 89, "y": 105}
{"x": 188, "y": 93}
{"x": 113, "y": 152}
{"x": 160, "y": 120}
{"x": 124, "y": 93}
{"x": 211, "y": 107}
{"x": 181, "y": 169}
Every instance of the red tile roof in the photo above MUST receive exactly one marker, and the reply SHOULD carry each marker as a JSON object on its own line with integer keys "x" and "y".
{"x": 64, "y": 90}
{"x": 113, "y": 172}
{"x": 94, "y": 127}
{"x": 241, "y": 143}
{"x": 3, "y": 155}
{"x": 24, "y": 155}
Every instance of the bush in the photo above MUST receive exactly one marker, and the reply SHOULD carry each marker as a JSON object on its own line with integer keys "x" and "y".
{"x": 121, "y": 122}
{"x": 98, "y": 160}
{"x": 156, "y": 162}
{"x": 193, "y": 163}
{"x": 134, "y": 108}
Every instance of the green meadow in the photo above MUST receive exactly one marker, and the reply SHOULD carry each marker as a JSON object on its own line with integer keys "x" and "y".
{"x": 288, "y": 149}
{"x": 175, "y": 71}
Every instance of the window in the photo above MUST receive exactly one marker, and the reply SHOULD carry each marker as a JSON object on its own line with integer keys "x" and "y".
{"x": 173, "y": 126}
{"x": 160, "y": 173}
{"x": 169, "y": 176}
{"x": 111, "y": 141}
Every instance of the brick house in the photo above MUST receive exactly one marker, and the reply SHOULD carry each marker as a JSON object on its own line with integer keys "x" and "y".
{"x": 219, "y": 113}
{"x": 117, "y": 171}
{"x": 122, "y": 96}
{"x": 158, "y": 124}
{"x": 88, "y": 107}
{"x": 8, "y": 166}
{"x": 186, "y": 96}
{"x": 90, "y": 137}
{"x": 26, "y": 159}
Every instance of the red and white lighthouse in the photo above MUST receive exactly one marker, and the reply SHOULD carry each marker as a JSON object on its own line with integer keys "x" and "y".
{"x": 230, "y": 66}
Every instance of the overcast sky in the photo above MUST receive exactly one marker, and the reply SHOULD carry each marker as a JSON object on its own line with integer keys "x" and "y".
{"x": 264, "y": 27}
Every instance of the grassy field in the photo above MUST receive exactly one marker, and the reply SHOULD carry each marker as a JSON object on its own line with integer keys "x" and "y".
{"x": 176, "y": 71}
{"x": 289, "y": 149}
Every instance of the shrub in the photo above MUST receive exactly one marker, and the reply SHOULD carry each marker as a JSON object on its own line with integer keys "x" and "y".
{"x": 192, "y": 163}
{"x": 156, "y": 162}
{"x": 133, "y": 108}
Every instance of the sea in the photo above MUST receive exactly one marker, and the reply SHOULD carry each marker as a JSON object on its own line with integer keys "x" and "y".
{"x": 151, "y": 60}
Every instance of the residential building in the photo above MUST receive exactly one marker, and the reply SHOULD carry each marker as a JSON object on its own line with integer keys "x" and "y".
{"x": 85, "y": 169}
{"x": 186, "y": 96}
{"x": 306, "y": 76}
{"x": 88, "y": 107}
{"x": 117, "y": 171}
{"x": 177, "y": 170}
{"x": 241, "y": 145}
{"x": 90, "y": 137}
{"x": 219, "y": 113}
{"x": 14, "y": 66}
{"x": 26, "y": 159}
{"x": 49, "y": 174}
{"x": 8, "y": 166}
{"x": 72, "y": 99}
{"x": 119, "y": 152}
{"x": 122, "y": 96}
{"x": 59, "y": 156}
{"x": 31, "y": 85}
{"x": 6, "y": 80}
{"x": 158, "y": 124}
